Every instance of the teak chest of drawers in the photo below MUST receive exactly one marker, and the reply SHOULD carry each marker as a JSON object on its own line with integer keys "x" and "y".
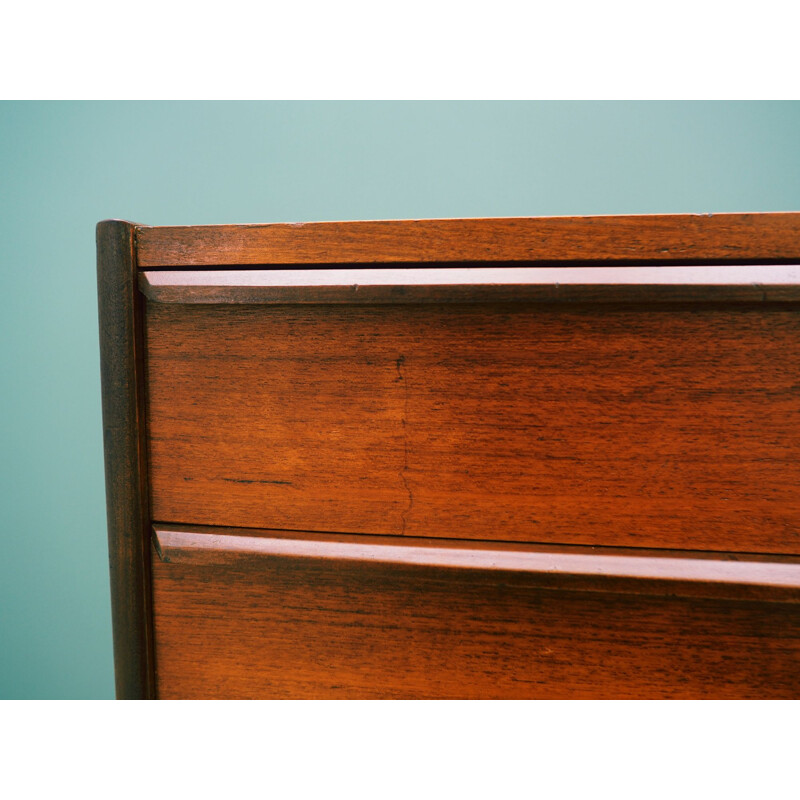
{"x": 499, "y": 458}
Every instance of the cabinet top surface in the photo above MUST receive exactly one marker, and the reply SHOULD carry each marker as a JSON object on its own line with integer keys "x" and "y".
{"x": 746, "y": 238}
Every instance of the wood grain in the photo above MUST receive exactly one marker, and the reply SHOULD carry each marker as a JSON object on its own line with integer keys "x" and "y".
{"x": 670, "y": 238}
{"x": 121, "y": 370}
{"x": 749, "y": 284}
{"x": 640, "y": 426}
{"x": 512, "y": 458}
{"x": 250, "y": 624}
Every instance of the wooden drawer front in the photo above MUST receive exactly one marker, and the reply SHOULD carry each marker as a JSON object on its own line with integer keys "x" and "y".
{"x": 645, "y": 426}
{"x": 268, "y": 615}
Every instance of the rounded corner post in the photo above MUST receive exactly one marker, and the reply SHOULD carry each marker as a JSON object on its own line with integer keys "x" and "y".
{"x": 120, "y": 317}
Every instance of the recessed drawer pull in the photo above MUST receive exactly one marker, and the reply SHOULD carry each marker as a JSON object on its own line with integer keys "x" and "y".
{"x": 754, "y": 284}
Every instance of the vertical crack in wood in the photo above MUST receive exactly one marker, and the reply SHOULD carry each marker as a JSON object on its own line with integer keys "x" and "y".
{"x": 399, "y": 363}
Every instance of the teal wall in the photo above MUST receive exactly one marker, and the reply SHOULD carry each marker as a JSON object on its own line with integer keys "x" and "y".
{"x": 64, "y": 166}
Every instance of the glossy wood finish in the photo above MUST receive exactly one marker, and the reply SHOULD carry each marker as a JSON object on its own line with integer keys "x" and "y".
{"x": 748, "y": 284}
{"x": 532, "y": 458}
{"x": 670, "y": 238}
{"x": 685, "y": 573}
{"x": 639, "y": 426}
{"x": 252, "y": 622}
{"x": 121, "y": 363}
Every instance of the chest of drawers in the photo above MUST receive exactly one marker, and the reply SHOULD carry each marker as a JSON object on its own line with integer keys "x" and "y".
{"x": 523, "y": 458}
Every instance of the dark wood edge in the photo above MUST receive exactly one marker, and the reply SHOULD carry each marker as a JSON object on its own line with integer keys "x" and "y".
{"x": 750, "y": 284}
{"x": 604, "y": 569}
{"x": 121, "y": 309}
{"x": 666, "y": 238}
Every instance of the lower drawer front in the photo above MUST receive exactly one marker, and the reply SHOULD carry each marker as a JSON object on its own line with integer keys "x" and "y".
{"x": 325, "y": 617}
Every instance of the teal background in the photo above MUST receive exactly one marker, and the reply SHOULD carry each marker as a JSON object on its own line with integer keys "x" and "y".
{"x": 65, "y": 166}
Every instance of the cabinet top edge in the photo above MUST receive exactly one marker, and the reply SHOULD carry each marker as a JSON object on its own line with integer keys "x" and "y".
{"x": 753, "y": 237}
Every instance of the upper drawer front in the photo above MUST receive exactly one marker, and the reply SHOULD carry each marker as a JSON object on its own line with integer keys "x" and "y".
{"x": 650, "y": 425}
